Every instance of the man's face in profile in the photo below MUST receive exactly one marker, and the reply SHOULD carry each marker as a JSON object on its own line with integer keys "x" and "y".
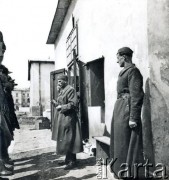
{"x": 120, "y": 60}
{"x": 61, "y": 83}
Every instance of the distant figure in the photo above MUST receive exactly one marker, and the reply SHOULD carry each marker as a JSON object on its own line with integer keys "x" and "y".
{"x": 17, "y": 108}
{"x": 67, "y": 132}
{"x": 126, "y": 129}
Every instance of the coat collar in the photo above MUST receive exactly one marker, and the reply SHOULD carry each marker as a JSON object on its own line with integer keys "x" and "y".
{"x": 64, "y": 90}
{"x": 125, "y": 69}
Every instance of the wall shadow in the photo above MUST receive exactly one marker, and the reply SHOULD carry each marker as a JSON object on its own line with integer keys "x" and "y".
{"x": 45, "y": 166}
{"x": 147, "y": 126}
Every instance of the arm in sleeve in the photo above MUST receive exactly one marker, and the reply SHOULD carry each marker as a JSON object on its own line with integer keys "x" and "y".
{"x": 72, "y": 101}
{"x": 54, "y": 102}
{"x": 136, "y": 94}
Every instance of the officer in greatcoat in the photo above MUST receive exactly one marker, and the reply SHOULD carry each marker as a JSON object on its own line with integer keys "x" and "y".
{"x": 6, "y": 168}
{"x": 67, "y": 132}
{"x": 126, "y": 128}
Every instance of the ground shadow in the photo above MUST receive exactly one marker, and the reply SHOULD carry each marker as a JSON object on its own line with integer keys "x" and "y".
{"x": 82, "y": 163}
{"x": 38, "y": 167}
{"x": 45, "y": 167}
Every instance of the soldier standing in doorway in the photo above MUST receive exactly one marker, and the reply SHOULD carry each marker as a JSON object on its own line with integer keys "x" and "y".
{"x": 67, "y": 132}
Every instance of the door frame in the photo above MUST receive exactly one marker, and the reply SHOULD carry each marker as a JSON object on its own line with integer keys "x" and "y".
{"x": 53, "y": 90}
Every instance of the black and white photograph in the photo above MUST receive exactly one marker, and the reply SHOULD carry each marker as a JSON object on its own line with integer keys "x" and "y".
{"x": 84, "y": 89}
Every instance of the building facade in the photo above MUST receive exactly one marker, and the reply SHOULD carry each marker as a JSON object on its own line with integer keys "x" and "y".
{"x": 21, "y": 97}
{"x": 92, "y": 31}
{"x": 39, "y": 77}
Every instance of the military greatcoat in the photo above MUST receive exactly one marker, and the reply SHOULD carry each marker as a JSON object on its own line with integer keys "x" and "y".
{"x": 126, "y": 143}
{"x": 6, "y": 135}
{"x": 67, "y": 133}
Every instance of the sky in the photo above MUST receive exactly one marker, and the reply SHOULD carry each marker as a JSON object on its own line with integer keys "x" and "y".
{"x": 25, "y": 25}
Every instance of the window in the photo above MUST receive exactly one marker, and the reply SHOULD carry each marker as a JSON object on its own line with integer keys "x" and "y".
{"x": 16, "y": 101}
{"x": 27, "y": 95}
{"x": 16, "y": 94}
{"x": 23, "y": 94}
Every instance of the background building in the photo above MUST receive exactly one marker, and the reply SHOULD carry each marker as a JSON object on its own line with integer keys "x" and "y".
{"x": 21, "y": 97}
{"x": 39, "y": 77}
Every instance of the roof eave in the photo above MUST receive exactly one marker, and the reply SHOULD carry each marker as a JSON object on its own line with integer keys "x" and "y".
{"x": 58, "y": 20}
{"x": 36, "y": 61}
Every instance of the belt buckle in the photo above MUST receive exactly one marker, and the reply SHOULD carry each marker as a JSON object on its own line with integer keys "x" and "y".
{"x": 125, "y": 96}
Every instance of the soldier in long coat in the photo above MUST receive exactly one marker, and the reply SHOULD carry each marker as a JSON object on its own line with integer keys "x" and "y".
{"x": 5, "y": 125}
{"x": 6, "y": 135}
{"x": 68, "y": 133}
{"x": 126, "y": 129}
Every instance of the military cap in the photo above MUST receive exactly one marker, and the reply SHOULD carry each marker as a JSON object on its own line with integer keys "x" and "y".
{"x": 125, "y": 51}
{"x": 63, "y": 77}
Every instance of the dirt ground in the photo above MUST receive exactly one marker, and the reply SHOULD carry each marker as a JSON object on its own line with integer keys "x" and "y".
{"x": 45, "y": 167}
{"x": 34, "y": 157}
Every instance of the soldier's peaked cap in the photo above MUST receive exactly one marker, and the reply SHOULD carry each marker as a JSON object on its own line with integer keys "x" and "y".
{"x": 63, "y": 77}
{"x": 125, "y": 51}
